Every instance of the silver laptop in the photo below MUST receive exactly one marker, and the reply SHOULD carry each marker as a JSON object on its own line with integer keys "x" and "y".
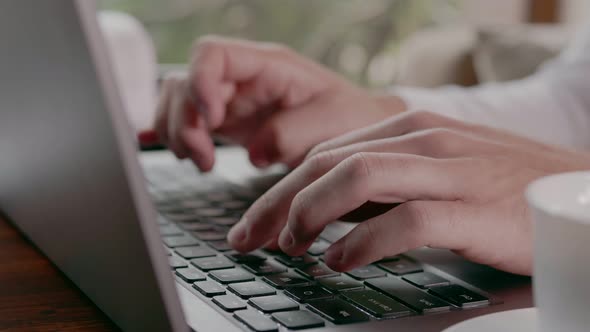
{"x": 143, "y": 237}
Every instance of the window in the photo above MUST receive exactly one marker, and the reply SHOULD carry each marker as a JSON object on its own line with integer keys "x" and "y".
{"x": 357, "y": 38}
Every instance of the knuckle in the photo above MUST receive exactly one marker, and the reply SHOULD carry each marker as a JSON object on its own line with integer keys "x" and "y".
{"x": 420, "y": 120}
{"x": 442, "y": 141}
{"x": 276, "y": 49}
{"x": 416, "y": 219}
{"x": 206, "y": 43}
{"x": 320, "y": 162}
{"x": 360, "y": 165}
{"x": 316, "y": 150}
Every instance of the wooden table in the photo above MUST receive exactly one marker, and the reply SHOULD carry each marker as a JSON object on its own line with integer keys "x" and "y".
{"x": 35, "y": 296}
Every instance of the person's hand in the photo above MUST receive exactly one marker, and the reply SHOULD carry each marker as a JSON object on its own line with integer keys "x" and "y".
{"x": 263, "y": 96}
{"x": 460, "y": 187}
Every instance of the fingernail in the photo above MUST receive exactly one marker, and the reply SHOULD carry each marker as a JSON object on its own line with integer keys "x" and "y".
{"x": 333, "y": 255}
{"x": 237, "y": 235}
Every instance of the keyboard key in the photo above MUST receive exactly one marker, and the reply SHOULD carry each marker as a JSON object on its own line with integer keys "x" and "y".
{"x": 264, "y": 268}
{"x": 408, "y": 294}
{"x": 297, "y": 320}
{"x": 341, "y": 283}
{"x": 170, "y": 230}
{"x": 317, "y": 271}
{"x": 212, "y": 263}
{"x": 195, "y": 252}
{"x": 318, "y": 248}
{"x": 234, "y": 205}
{"x": 460, "y": 296}
{"x": 220, "y": 245}
{"x": 182, "y": 217}
{"x": 390, "y": 259}
{"x": 425, "y": 279}
{"x": 229, "y": 302}
{"x": 273, "y": 303}
{"x": 190, "y": 274}
{"x": 180, "y": 241}
{"x": 307, "y": 293}
{"x": 224, "y": 221}
{"x": 338, "y": 311}
{"x": 256, "y": 321}
{"x": 194, "y": 203}
{"x": 250, "y": 289}
{"x": 377, "y": 304}
{"x": 298, "y": 261}
{"x": 229, "y": 276}
{"x": 401, "y": 267}
{"x": 196, "y": 226}
{"x": 238, "y": 257}
{"x": 366, "y": 272}
{"x": 218, "y": 196}
{"x": 286, "y": 279}
{"x": 213, "y": 235}
{"x": 209, "y": 288}
{"x": 177, "y": 262}
{"x": 210, "y": 212}
{"x": 170, "y": 208}
{"x": 162, "y": 221}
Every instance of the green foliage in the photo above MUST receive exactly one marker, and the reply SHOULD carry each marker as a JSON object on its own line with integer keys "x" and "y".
{"x": 350, "y": 36}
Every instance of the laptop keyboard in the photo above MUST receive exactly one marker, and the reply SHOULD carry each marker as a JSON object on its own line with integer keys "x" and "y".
{"x": 263, "y": 289}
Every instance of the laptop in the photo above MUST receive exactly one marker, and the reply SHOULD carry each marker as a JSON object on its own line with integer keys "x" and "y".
{"x": 143, "y": 235}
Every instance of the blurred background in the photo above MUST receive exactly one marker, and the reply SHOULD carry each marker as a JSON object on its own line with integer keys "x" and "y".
{"x": 375, "y": 43}
{"x": 358, "y": 38}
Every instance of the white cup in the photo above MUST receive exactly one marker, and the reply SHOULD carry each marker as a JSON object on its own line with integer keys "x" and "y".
{"x": 560, "y": 206}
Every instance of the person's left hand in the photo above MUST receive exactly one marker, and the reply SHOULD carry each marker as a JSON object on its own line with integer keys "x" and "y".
{"x": 460, "y": 187}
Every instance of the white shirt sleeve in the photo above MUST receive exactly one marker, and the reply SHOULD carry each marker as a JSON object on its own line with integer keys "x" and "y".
{"x": 552, "y": 105}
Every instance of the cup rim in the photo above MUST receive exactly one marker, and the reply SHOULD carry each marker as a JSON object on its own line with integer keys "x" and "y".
{"x": 573, "y": 201}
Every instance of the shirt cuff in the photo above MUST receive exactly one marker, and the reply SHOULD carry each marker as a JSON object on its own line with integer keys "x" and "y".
{"x": 432, "y": 100}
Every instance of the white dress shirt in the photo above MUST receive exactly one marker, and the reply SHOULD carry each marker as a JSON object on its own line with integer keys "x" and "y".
{"x": 552, "y": 105}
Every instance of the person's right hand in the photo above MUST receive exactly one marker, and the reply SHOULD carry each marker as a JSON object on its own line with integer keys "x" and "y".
{"x": 263, "y": 96}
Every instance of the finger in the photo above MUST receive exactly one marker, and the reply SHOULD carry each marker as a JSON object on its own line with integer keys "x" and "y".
{"x": 263, "y": 221}
{"x": 378, "y": 177}
{"x": 161, "y": 119}
{"x": 405, "y": 123}
{"x": 213, "y": 64}
{"x": 179, "y": 107}
{"x": 220, "y": 60}
{"x": 413, "y": 122}
{"x": 188, "y": 130}
{"x": 269, "y": 214}
{"x": 409, "y": 226}
{"x": 196, "y": 137}
{"x": 434, "y": 143}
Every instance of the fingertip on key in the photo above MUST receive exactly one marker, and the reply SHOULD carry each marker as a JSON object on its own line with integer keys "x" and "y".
{"x": 334, "y": 256}
{"x": 237, "y": 235}
{"x": 286, "y": 241}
